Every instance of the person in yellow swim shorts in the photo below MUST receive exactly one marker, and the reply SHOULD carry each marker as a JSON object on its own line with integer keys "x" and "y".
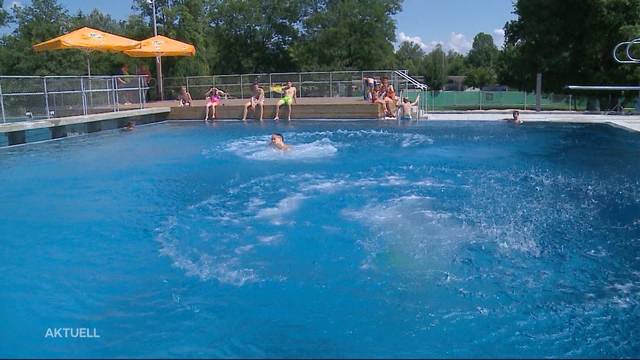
{"x": 289, "y": 98}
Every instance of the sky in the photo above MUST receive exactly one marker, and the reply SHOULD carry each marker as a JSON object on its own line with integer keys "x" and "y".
{"x": 452, "y": 23}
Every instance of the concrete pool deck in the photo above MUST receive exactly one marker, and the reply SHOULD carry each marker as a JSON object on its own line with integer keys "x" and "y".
{"x": 16, "y": 131}
{"x": 306, "y": 109}
{"x": 627, "y": 122}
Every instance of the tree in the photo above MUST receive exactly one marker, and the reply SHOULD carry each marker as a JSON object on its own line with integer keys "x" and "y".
{"x": 410, "y": 57}
{"x": 574, "y": 48}
{"x": 256, "y": 35}
{"x": 435, "y": 68}
{"x": 41, "y": 20}
{"x": 484, "y": 52}
{"x": 4, "y": 15}
{"x": 347, "y": 34}
{"x": 480, "y": 77}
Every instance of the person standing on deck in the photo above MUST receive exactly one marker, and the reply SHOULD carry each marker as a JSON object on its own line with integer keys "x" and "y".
{"x": 121, "y": 74}
{"x": 289, "y": 98}
{"x": 257, "y": 99}
{"x": 146, "y": 78}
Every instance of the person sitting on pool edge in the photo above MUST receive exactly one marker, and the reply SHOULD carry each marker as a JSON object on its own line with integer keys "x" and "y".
{"x": 257, "y": 99}
{"x": 185, "y": 97}
{"x": 289, "y": 98}
{"x": 277, "y": 141}
{"x": 405, "y": 108}
{"x": 214, "y": 96}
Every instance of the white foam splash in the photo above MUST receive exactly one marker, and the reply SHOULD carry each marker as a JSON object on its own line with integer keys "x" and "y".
{"x": 284, "y": 207}
{"x": 258, "y": 148}
{"x": 410, "y": 231}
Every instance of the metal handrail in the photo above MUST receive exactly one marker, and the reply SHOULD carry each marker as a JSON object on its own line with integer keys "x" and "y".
{"x": 628, "y": 44}
{"x": 413, "y": 81}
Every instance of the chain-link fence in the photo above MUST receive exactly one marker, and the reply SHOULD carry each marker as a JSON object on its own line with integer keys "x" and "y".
{"x": 309, "y": 84}
{"x": 24, "y": 98}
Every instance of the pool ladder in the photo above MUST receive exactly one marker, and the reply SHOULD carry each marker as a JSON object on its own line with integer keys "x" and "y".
{"x": 424, "y": 92}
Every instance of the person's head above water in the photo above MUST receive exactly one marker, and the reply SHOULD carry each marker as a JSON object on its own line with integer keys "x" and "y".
{"x": 516, "y": 115}
{"x": 277, "y": 138}
{"x": 405, "y": 100}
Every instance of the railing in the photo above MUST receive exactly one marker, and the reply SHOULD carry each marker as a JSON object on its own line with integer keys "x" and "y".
{"x": 520, "y": 100}
{"x": 24, "y": 98}
{"x": 309, "y": 84}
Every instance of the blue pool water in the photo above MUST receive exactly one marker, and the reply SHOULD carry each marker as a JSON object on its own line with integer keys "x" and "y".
{"x": 367, "y": 239}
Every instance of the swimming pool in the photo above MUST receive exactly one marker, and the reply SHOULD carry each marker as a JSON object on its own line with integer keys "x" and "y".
{"x": 373, "y": 239}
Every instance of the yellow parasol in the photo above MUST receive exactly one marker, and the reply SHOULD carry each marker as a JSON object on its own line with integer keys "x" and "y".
{"x": 88, "y": 39}
{"x": 159, "y": 46}
{"x": 162, "y": 46}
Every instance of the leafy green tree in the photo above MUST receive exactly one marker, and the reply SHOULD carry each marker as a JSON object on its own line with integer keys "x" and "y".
{"x": 184, "y": 22}
{"x": 410, "y": 57}
{"x": 39, "y": 21}
{"x": 569, "y": 41}
{"x": 4, "y": 15}
{"x": 484, "y": 52}
{"x": 348, "y": 34}
{"x": 456, "y": 63}
{"x": 255, "y": 36}
{"x": 435, "y": 68}
{"x": 480, "y": 77}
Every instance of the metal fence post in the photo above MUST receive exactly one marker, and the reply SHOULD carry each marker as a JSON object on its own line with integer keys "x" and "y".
{"x": 83, "y": 96}
{"x": 116, "y": 100}
{"x": 270, "y": 86}
{"x": 300, "y": 82}
{"x": 330, "y": 84}
{"x": 525, "y": 100}
{"x": 46, "y": 97}
{"x": 187, "y": 83}
{"x": 140, "y": 91}
{"x": 4, "y": 120}
{"x": 570, "y": 97}
{"x": 241, "y": 89}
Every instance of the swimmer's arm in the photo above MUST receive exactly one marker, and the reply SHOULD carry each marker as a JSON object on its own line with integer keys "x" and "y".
{"x": 416, "y": 102}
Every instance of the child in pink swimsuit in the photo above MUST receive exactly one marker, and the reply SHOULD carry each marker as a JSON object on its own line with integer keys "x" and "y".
{"x": 213, "y": 100}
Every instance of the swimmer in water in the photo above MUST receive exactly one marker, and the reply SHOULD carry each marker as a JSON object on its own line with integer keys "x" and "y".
{"x": 516, "y": 118}
{"x": 277, "y": 141}
{"x": 405, "y": 108}
{"x": 129, "y": 127}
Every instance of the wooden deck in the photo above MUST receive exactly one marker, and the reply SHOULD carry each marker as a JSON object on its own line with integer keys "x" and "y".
{"x": 305, "y": 108}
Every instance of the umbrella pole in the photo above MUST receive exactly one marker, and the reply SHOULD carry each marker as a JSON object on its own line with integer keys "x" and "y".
{"x": 159, "y": 71}
{"x": 89, "y": 78}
